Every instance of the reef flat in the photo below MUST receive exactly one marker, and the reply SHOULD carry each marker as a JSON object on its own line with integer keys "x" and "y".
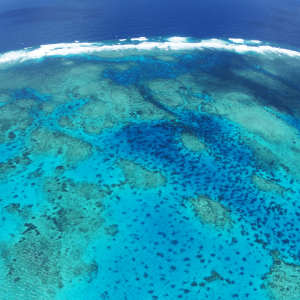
{"x": 150, "y": 169}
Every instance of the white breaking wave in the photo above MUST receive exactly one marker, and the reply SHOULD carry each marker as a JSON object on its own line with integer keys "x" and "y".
{"x": 239, "y": 41}
{"x": 139, "y": 39}
{"x": 177, "y": 39}
{"x": 171, "y": 44}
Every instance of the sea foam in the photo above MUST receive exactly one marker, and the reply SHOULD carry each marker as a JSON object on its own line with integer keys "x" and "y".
{"x": 170, "y": 44}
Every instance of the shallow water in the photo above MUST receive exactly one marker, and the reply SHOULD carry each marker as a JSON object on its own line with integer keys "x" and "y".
{"x": 135, "y": 172}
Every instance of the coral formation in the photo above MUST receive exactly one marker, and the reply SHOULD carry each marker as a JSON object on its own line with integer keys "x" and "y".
{"x": 113, "y": 105}
{"x": 44, "y": 141}
{"x": 283, "y": 280}
{"x": 267, "y": 185}
{"x": 211, "y": 212}
{"x": 139, "y": 177}
{"x": 14, "y": 117}
{"x": 14, "y": 165}
{"x": 191, "y": 142}
{"x": 49, "y": 252}
{"x": 166, "y": 91}
{"x": 102, "y": 154}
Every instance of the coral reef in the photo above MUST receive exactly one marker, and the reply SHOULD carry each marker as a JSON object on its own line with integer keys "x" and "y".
{"x": 44, "y": 141}
{"x": 211, "y": 212}
{"x": 15, "y": 165}
{"x": 166, "y": 91}
{"x": 191, "y": 142}
{"x": 116, "y": 160}
{"x": 139, "y": 177}
{"x": 267, "y": 185}
{"x": 14, "y": 117}
{"x": 283, "y": 280}
{"x": 49, "y": 253}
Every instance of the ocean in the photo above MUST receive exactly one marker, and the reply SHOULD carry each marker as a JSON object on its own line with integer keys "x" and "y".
{"x": 33, "y": 23}
{"x": 149, "y": 150}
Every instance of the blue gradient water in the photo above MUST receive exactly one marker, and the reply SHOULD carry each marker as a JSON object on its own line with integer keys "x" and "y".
{"x": 29, "y": 23}
{"x": 100, "y": 184}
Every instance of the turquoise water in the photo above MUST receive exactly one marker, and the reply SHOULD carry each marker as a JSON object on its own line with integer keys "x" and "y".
{"x": 150, "y": 173}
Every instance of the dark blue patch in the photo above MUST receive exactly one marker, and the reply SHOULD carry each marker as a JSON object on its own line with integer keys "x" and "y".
{"x": 27, "y": 93}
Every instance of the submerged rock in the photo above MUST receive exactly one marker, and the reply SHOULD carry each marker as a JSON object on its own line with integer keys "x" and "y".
{"x": 139, "y": 177}
{"x": 211, "y": 212}
{"x": 192, "y": 142}
{"x": 44, "y": 141}
{"x": 267, "y": 185}
{"x": 283, "y": 280}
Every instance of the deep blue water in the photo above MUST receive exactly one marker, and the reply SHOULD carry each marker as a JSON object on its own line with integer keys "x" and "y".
{"x": 32, "y": 22}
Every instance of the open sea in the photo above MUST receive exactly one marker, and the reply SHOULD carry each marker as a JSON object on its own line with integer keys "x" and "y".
{"x": 27, "y": 23}
{"x": 149, "y": 150}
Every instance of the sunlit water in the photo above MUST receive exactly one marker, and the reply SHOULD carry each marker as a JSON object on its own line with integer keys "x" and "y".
{"x": 150, "y": 169}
